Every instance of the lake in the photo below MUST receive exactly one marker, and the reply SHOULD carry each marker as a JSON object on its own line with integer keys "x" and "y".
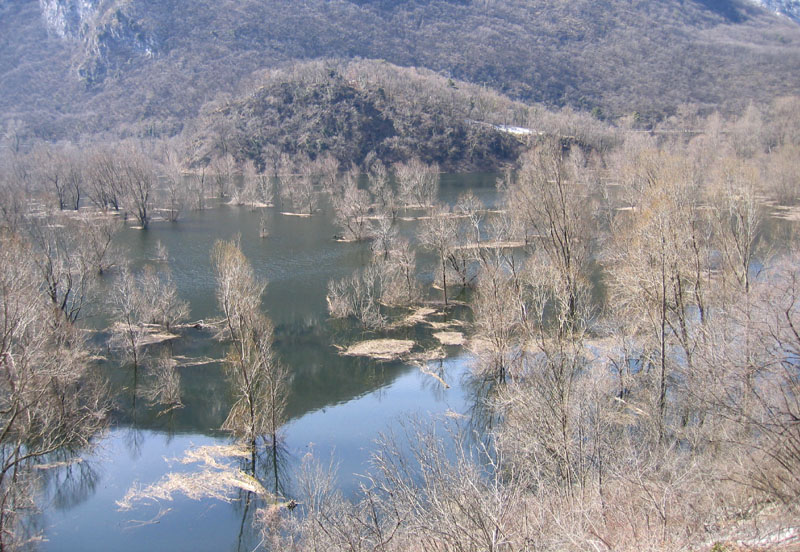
{"x": 337, "y": 406}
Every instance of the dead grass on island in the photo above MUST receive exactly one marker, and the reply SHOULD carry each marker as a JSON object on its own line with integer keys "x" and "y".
{"x": 428, "y": 354}
{"x": 301, "y": 215}
{"x": 152, "y": 333}
{"x": 379, "y": 349}
{"x": 418, "y": 315}
{"x": 449, "y": 338}
{"x": 490, "y": 245}
{"x": 217, "y": 478}
{"x": 787, "y": 212}
{"x": 443, "y": 326}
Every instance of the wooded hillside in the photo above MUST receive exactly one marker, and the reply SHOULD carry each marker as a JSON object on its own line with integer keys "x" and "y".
{"x": 146, "y": 66}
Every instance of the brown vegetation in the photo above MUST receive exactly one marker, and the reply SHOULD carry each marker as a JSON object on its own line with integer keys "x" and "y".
{"x": 637, "y": 337}
{"x": 652, "y": 421}
{"x": 133, "y": 66}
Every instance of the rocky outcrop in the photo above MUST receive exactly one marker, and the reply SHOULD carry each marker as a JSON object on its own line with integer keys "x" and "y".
{"x": 110, "y": 34}
{"x": 116, "y": 40}
{"x": 68, "y": 19}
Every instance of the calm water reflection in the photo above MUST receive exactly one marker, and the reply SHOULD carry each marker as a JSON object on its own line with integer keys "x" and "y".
{"x": 337, "y": 406}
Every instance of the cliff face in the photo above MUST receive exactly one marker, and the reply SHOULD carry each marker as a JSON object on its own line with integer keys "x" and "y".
{"x": 68, "y": 18}
{"x": 109, "y": 32}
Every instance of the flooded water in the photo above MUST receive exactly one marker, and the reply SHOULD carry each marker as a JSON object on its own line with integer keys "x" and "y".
{"x": 337, "y": 406}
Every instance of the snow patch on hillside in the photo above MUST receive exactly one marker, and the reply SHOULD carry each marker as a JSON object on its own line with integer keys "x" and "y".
{"x": 788, "y": 8}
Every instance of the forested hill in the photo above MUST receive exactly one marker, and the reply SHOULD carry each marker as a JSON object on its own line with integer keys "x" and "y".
{"x": 138, "y": 66}
{"x": 352, "y": 110}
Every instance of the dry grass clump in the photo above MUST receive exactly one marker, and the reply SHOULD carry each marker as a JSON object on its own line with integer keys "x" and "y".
{"x": 787, "y": 212}
{"x": 495, "y": 244}
{"x": 152, "y": 334}
{"x": 216, "y": 479}
{"x": 450, "y": 338}
{"x": 380, "y": 349}
{"x": 418, "y": 315}
{"x": 446, "y": 325}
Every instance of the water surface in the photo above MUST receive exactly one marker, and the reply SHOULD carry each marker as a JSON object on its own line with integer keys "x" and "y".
{"x": 337, "y": 406}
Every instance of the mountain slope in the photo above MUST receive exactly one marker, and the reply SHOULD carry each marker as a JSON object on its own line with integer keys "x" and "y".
{"x": 148, "y": 65}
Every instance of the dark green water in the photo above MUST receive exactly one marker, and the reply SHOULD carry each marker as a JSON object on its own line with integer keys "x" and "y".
{"x": 337, "y": 406}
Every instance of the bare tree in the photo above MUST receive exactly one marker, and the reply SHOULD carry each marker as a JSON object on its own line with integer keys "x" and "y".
{"x": 472, "y": 209}
{"x": 297, "y": 185}
{"x": 737, "y": 220}
{"x": 358, "y": 296}
{"x": 380, "y": 187}
{"x": 14, "y": 202}
{"x": 438, "y": 233}
{"x": 782, "y": 168}
{"x": 197, "y": 188}
{"x": 456, "y": 500}
{"x": 60, "y": 168}
{"x": 48, "y": 400}
{"x": 499, "y": 323}
{"x": 74, "y": 163}
{"x": 95, "y": 236}
{"x": 552, "y": 198}
{"x": 554, "y": 359}
{"x": 103, "y": 178}
{"x": 51, "y": 173}
{"x": 258, "y": 379}
{"x": 653, "y": 266}
{"x": 67, "y": 277}
{"x": 130, "y": 312}
{"x": 175, "y": 188}
{"x": 248, "y": 193}
{"x": 265, "y": 188}
{"x": 385, "y": 236}
{"x": 138, "y": 182}
{"x": 773, "y": 383}
{"x": 352, "y": 208}
{"x": 328, "y": 169}
{"x": 398, "y": 274}
{"x": 417, "y": 183}
{"x": 223, "y": 171}
{"x": 164, "y": 307}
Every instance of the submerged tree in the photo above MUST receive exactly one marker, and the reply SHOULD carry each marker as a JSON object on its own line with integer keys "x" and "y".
{"x": 58, "y": 171}
{"x": 358, "y": 296}
{"x": 174, "y": 196}
{"x": 417, "y": 183}
{"x": 49, "y": 399}
{"x": 551, "y": 197}
{"x": 138, "y": 181}
{"x": 67, "y": 277}
{"x": 439, "y": 233}
{"x": 130, "y": 311}
{"x": 297, "y": 184}
{"x": 224, "y": 171}
{"x": 96, "y": 245}
{"x": 352, "y": 208}
{"x": 381, "y": 189}
{"x": 257, "y": 377}
{"x": 103, "y": 178}
{"x": 163, "y": 386}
